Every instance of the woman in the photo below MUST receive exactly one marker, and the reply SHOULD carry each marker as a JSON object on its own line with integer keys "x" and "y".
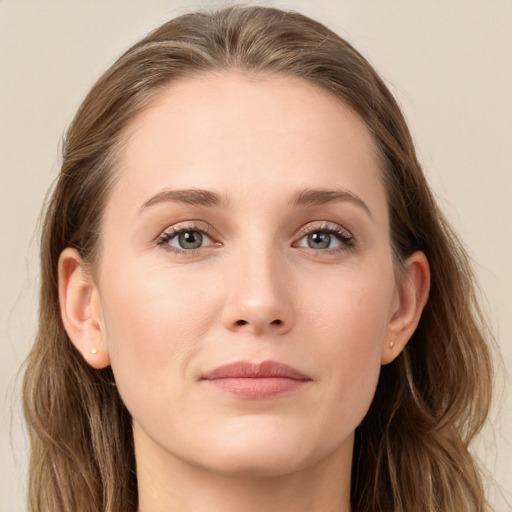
{"x": 249, "y": 297}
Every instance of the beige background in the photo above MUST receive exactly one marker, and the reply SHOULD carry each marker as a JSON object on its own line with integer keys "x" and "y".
{"x": 449, "y": 63}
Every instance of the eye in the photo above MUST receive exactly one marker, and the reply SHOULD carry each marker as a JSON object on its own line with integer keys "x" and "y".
{"x": 329, "y": 236}
{"x": 187, "y": 239}
{"x": 321, "y": 240}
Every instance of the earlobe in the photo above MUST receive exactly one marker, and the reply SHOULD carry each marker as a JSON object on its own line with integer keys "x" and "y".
{"x": 412, "y": 295}
{"x": 80, "y": 309}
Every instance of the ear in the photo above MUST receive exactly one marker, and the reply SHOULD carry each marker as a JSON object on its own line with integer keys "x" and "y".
{"x": 80, "y": 309}
{"x": 411, "y": 297}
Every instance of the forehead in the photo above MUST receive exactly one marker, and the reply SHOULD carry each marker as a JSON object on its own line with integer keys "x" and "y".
{"x": 248, "y": 133}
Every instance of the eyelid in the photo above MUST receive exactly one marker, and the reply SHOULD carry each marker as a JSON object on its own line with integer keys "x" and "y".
{"x": 324, "y": 226}
{"x": 347, "y": 239}
{"x": 174, "y": 230}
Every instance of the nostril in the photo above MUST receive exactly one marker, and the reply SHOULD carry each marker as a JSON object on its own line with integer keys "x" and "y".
{"x": 277, "y": 321}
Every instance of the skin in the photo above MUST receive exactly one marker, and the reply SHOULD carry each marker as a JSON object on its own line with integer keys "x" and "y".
{"x": 255, "y": 290}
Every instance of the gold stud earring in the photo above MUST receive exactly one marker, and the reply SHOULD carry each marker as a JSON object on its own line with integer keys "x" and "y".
{"x": 94, "y": 350}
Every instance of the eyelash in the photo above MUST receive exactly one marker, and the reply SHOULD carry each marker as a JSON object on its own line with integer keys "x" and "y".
{"x": 172, "y": 232}
{"x": 345, "y": 237}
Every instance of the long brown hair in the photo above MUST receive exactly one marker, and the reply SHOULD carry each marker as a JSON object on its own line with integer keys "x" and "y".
{"x": 411, "y": 450}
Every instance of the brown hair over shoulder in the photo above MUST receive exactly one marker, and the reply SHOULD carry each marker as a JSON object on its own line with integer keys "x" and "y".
{"x": 411, "y": 450}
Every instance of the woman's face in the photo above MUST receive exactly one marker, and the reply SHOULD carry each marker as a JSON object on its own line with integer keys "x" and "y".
{"x": 248, "y": 224}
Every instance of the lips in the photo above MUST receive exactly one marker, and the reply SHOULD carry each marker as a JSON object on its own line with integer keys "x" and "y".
{"x": 256, "y": 380}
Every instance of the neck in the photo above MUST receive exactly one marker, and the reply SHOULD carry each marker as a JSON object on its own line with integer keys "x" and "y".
{"x": 166, "y": 483}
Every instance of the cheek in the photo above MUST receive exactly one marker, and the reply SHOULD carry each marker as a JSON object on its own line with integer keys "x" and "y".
{"x": 153, "y": 327}
{"x": 348, "y": 322}
{"x": 353, "y": 307}
{"x": 154, "y": 307}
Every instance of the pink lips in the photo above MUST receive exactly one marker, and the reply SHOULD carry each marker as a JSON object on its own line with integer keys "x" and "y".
{"x": 256, "y": 381}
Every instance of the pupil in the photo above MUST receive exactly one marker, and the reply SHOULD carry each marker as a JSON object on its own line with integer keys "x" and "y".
{"x": 190, "y": 239}
{"x": 319, "y": 240}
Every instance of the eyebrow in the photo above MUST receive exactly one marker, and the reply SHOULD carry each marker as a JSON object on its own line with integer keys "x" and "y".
{"x": 318, "y": 197}
{"x": 210, "y": 199}
{"x": 193, "y": 196}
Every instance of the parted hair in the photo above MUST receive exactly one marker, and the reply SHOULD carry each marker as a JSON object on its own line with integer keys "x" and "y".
{"x": 411, "y": 449}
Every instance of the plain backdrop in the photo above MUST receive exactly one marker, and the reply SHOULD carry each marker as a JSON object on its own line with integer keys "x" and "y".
{"x": 448, "y": 62}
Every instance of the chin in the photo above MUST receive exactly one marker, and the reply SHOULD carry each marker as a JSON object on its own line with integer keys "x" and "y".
{"x": 262, "y": 452}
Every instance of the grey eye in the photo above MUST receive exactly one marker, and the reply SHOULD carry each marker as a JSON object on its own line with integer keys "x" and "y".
{"x": 189, "y": 239}
{"x": 320, "y": 240}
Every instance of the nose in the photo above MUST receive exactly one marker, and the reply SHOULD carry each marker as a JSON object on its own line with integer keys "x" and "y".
{"x": 259, "y": 294}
